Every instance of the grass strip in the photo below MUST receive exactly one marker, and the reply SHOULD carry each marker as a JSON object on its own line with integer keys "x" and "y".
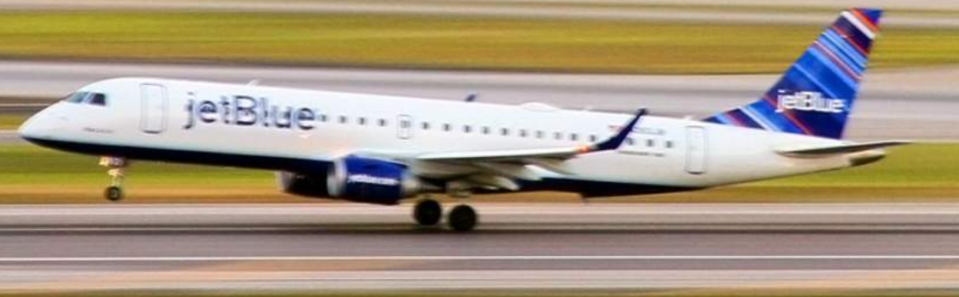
{"x": 12, "y": 121}
{"x": 620, "y": 5}
{"x": 29, "y": 174}
{"x": 408, "y": 41}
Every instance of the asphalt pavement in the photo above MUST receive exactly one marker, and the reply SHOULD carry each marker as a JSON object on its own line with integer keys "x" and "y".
{"x": 282, "y": 247}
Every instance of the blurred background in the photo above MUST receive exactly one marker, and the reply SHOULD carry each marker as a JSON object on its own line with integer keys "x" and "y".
{"x": 678, "y": 58}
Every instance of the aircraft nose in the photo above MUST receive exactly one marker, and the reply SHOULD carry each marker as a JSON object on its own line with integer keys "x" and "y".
{"x": 30, "y": 128}
{"x": 38, "y": 126}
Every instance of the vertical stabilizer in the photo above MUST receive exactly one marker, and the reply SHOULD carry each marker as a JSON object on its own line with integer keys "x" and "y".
{"x": 816, "y": 94}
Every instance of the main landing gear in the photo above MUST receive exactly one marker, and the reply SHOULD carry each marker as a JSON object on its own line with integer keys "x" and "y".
{"x": 116, "y": 170}
{"x": 428, "y": 212}
{"x": 462, "y": 218}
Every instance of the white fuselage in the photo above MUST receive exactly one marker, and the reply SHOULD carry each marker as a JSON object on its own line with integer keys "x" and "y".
{"x": 190, "y": 117}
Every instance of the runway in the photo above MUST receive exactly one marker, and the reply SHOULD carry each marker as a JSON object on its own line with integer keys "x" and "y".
{"x": 10, "y": 137}
{"x": 291, "y": 247}
{"x": 915, "y": 104}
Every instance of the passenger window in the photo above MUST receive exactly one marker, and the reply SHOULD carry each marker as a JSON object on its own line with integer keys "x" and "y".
{"x": 361, "y": 121}
{"x": 342, "y": 119}
{"x": 539, "y": 134}
{"x": 650, "y": 143}
{"x": 467, "y": 129}
{"x": 592, "y": 138}
{"x": 574, "y": 137}
{"x": 382, "y": 123}
{"x": 669, "y": 144}
{"x": 630, "y": 141}
{"x": 322, "y": 118}
{"x": 504, "y": 131}
{"x": 426, "y": 126}
{"x": 447, "y": 127}
{"x": 522, "y": 133}
{"x": 485, "y": 130}
{"x": 558, "y": 135}
{"x": 98, "y": 99}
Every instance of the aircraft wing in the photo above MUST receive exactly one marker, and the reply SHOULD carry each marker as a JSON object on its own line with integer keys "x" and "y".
{"x": 501, "y": 169}
{"x": 840, "y": 149}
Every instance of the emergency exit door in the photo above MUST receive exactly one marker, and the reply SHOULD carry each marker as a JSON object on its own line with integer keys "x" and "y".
{"x": 697, "y": 150}
{"x": 153, "y": 108}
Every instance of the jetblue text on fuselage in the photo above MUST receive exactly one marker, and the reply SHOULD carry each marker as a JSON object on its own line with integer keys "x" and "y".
{"x": 809, "y": 101}
{"x": 243, "y": 110}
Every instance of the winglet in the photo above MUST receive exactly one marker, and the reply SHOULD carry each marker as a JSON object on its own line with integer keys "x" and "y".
{"x": 617, "y": 140}
{"x": 471, "y": 97}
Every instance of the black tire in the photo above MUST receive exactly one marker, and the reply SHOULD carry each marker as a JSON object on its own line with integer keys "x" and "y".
{"x": 428, "y": 212}
{"x": 463, "y": 218}
{"x": 113, "y": 193}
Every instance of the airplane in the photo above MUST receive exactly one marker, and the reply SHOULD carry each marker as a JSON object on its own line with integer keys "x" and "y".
{"x": 385, "y": 149}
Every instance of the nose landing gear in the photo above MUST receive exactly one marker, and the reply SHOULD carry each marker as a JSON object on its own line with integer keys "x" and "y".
{"x": 117, "y": 167}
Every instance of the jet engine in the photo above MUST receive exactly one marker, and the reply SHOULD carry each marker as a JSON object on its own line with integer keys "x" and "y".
{"x": 355, "y": 179}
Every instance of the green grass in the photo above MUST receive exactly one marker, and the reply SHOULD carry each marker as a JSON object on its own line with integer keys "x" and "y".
{"x": 28, "y": 174}
{"x": 12, "y": 121}
{"x": 913, "y": 173}
{"x": 645, "y": 6}
{"x": 638, "y": 6}
{"x": 440, "y": 42}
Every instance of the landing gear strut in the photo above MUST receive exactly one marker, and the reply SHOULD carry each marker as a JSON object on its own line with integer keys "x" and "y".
{"x": 117, "y": 165}
{"x": 428, "y": 212}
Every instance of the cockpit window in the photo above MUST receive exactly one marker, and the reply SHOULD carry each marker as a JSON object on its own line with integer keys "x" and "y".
{"x": 98, "y": 99}
{"x": 76, "y": 97}
{"x": 91, "y": 98}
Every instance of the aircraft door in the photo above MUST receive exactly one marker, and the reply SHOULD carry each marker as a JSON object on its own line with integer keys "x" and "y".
{"x": 153, "y": 108}
{"x": 696, "y": 150}
{"x": 404, "y": 127}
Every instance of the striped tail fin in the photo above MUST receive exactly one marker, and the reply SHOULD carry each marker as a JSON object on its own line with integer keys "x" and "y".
{"x": 815, "y": 95}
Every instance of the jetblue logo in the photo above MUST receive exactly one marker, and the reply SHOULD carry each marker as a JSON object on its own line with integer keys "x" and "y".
{"x": 248, "y": 111}
{"x": 369, "y": 179}
{"x": 809, "y": 101}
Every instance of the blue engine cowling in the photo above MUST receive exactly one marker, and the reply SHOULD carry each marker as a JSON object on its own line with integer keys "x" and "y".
{"x": 371, "y": 181}
{"x": 355, "y": 179}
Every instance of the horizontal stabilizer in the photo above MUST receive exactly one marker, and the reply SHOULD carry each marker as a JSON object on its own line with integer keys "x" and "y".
{"x": 840, "y": 149}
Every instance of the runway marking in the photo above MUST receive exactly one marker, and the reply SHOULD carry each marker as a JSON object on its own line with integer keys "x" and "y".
{"x": 476, "y": 258}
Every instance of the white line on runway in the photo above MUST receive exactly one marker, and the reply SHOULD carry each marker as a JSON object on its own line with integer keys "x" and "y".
{"x": 478, "y": 258}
